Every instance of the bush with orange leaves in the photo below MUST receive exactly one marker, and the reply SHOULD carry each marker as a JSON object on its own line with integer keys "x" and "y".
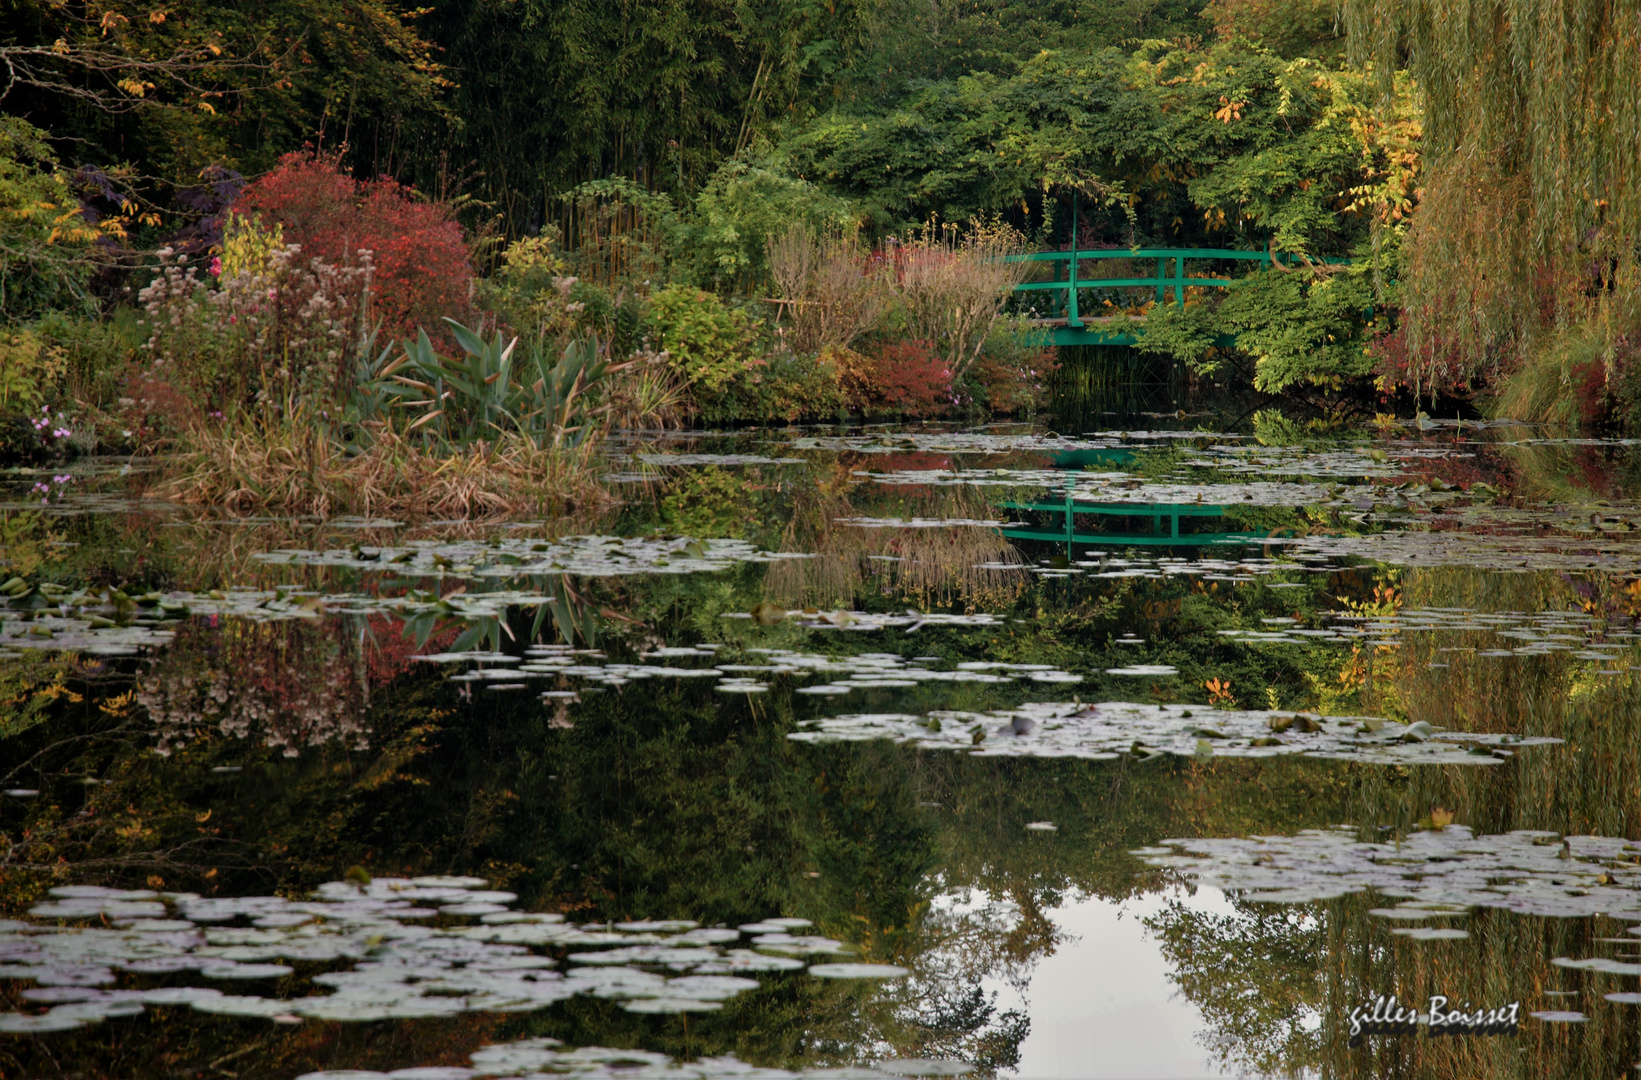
{"x": 905, "y": 378}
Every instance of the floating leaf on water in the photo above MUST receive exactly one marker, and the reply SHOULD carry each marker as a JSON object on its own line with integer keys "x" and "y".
{"x": 1108, "y": 729}
{"x": 709, "y": 987}
{"x": 1432, "y": 933}
{"x": 797, "y": 945}
{"x": 1599, "y": 963}
{"x": 226, "y": 1005}
{"x": 924, "y": 1067}
{"x": 858, "y": 971}
{"x": 745, "y": 960}
{"x": 23, "y": 1024}
{"x": 670, "y": 1005}
{"x": 245, "y": 971}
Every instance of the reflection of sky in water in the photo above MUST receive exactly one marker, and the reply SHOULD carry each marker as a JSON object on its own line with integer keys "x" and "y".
{"x": 1102, "y": 1007}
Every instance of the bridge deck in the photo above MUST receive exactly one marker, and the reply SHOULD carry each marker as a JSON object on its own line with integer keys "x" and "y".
{"x": 1065, "y": 324}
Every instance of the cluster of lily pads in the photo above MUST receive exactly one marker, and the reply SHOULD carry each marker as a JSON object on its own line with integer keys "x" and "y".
{"x": 585, "y": 556}
{"x": 1104, "y": 564}
{"x": 910, "y": 621}
{"x": 1580, "y": 634}
{"x": 921, "y": 523}
{"x": 108, "y": 622}
{"x": 1471, "y": 540}
{"x": 1432, "y": 873}
{"x": 723, "y": 460}
{"x": 982, "y": 442}
{"x": 551, "y": 1058}
{"x": 861, "y": 672}
{"x": 1362, "y": 461}
{"x": 1113, "y": 729}
{"x": 650, "y": 466}
{"x": 426, "y": 946}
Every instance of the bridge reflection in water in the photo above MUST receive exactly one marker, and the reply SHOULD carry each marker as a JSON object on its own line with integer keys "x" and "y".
{"x": 1141, "y": 524}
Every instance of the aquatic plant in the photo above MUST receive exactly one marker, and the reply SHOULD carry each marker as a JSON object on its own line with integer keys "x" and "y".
{"x": 295, "y": 466}
{"x": 1112, "y": 729}
{"x": 408, "y": 970}
{"x": 1434, "y": 873}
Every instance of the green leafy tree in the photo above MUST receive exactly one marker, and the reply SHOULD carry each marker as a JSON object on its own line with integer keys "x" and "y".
{"x": 46, "y": 254}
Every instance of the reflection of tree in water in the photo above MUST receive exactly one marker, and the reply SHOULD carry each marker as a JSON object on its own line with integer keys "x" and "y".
{"x": 1256, "y": 976}
{"x": 943, "y": 1006}
{"x": 1276, "y": 985}
{"x": 973, "y": 566}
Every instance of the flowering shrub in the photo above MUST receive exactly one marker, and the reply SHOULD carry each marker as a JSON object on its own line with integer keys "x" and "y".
{"x": 45, "y": 490}
{"x": 423, "y": 272}
{"x": 281, "y": 327}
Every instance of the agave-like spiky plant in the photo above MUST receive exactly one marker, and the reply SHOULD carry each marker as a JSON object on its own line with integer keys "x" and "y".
{"x": 488, "y": 392}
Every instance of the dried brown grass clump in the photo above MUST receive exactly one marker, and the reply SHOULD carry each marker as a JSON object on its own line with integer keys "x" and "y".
{"x": 294, "y": 467}
{"x": 833, "y": 290}
{"x": 648, "y": 394}
{"x": 951, "y": 285}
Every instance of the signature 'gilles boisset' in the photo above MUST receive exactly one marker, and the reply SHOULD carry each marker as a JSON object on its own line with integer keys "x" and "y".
{"x": 1386, "y": 1016}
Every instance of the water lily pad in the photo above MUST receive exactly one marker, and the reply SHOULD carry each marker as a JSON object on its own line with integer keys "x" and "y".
{"x": 1105, "y": 730}
{"x": 1525, "y": 871}
{"x": 670, "y": 1005}
{"x": 858, "y": 971}
{"x": 924, "y": 1067}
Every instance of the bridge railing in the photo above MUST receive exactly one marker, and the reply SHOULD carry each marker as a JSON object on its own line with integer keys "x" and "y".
{"x": 1163, "y": 281}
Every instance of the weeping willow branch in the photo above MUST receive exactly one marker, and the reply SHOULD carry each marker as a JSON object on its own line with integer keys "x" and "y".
{"x": 1531, "y": 217}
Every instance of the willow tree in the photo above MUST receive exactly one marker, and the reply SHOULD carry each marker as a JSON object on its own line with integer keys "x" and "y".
{"x": 1531, "y": 215}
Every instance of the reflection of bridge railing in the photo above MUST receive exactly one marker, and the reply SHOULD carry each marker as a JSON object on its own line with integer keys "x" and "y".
{"x": 1164, "y": 517}
{"x": 1071, "y": 328}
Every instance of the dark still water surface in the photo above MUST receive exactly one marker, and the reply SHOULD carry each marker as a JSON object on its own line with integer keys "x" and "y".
{"x": 848, "y": 752}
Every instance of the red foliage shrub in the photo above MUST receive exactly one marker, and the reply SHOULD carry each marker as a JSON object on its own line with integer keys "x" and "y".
{"x": 391, "y": 653}
{"x": 423, "y": 270}
{"x": 911, "y": 378}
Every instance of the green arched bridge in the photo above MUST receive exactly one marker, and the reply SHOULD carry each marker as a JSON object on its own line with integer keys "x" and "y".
{"x": 1060, "y": 311}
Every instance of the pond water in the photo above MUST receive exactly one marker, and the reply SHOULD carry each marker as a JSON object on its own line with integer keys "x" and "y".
{"x": 884, "y": 751}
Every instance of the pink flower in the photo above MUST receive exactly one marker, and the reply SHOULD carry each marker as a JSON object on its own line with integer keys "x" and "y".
{"x": 216, "y": 266}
